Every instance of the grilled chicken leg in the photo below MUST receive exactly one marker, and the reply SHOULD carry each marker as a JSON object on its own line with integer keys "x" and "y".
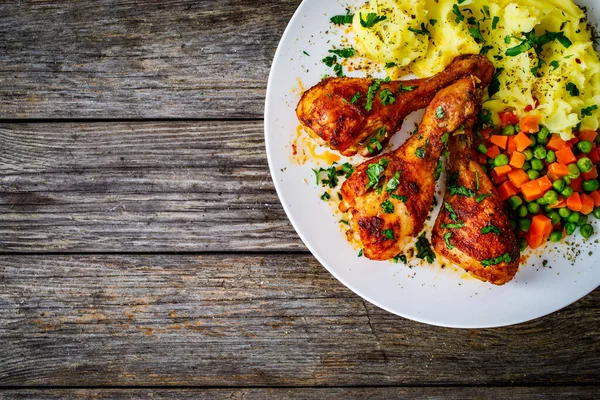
{"x": 472, "y": 229}
{"x": 349, "y": 113}
{"x": 391, "y": 195}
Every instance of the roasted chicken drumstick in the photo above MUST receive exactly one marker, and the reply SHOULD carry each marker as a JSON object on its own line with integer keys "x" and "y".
{"x": 391, "y": 195}
{"x": 473, "y": 229}
{"x": 361, "y": 114}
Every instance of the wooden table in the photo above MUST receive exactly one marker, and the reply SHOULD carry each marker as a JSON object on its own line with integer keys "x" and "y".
{"x": 144, "y": 250}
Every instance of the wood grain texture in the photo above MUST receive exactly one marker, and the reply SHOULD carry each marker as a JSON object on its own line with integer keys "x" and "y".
{"x": 377, "y": 393}
{"x": 255, "y": 320}
{"x": 132, "y": 59}
{"x": 169, "y": 186}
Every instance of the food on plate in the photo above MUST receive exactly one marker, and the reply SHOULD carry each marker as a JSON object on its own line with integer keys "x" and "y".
{"x": 361, "y": 114}
{"x": 473, "y": 228}
{"x": 390, "y": 195}
{"x": 543, "y": 51}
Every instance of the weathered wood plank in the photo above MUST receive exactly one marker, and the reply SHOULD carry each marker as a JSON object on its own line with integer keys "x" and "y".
{"x": 139, "y": 187}
{"x": 138, "y": 59}
{"x": 425, "y": 393}
{"x": 255, "y": 320}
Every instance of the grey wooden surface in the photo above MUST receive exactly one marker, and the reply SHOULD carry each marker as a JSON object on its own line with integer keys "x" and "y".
{"x": 142, "y": 255}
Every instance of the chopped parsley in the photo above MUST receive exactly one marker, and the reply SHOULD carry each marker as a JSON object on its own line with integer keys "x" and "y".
{"x": 371, "y": 94}
{"x": 342, "y": 19}
{"x": 458, "y": 225}
{"x": 445, "y": 138}
{"x": 481, "y": 197}
{"x": 424, "y": 251}
{"x": 398, "y": 197}
{"x": 371, "y": 20}
{"x": 406, "y": 88}
{"x": 337, "y": 68}
{"x": 343, "y": 221}
{"x": 400, "y": 257}
{"x": 420, "y": 151}
{"x": 390, "y": 65}
{"x": 355, "y": 98}
{"x": 374, "y": 172}
{"x": 330, "y": 60}
{"x": 344, "y": 53}
{"x": 376, "y": 143}
{"x": 433, "y": 21}
{"x": 587, "y": 112}
{"x": 325, "y": 196}
{"x": 340, "y": 197}
{"x": 387, "y": 206}
{"x": 457, "y": 13}
{"x": 476, "y": 180}
{"x": 438, "y": 169}
{"x": 494, "y": 86}
{"x": 447, "y": 237}
{"x": 306, "y": 53}
{"x": 531, "y": 41}
{"x": 348, "y": 169}
{"x": 360, "y": 253}
{"x": 387, "y": 97}
{"x": 554, "y": 64}
{"x": 393, "y": 182}
{"x": 572, "y": 89}
{"x": 389, "y": 233}
{"x": 456, "y": 189}
{"x": 495, "y": 261}
{"x": 453, "y": 215}
{"x": 485, "y": 49}
{"x": 422, "y": 31}
{"x": 495, "y": 22}
{"x": 439, "y": 112}
{"x": 490, "y": 229}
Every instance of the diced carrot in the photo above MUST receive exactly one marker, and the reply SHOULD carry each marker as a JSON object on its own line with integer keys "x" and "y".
{"x": 508, "y": 118}
{"x": 565, "y": 156}
{"x": 518, "y": 177}
{"x": 544, "y": 183}
{"x": 593, "y": 174}
{"x": 577, "y": 184}
{"x": 557, "y": 171}
{"x": 596, "y": 196}
{"x": 503, "y": 170}
{"x": 506, "y": 190}
{"x": 574, "y": 202}
{"x": 594, "y": 156}
{"x": 530, "y": 123}
{"x": 493, "y": 151}
{"x": 511, "y": 146}
{"x": 540, "y": 225}
{"x": 590, "y": 136}
{"x": 534, "y": 241}
{"x": 499, "y": 140}
{"x": 587, "y": 204}
{"x": 556, "y": 143}
{"x": 517, "y": 159}
{"x": 531, "y": 191}
{"x": 497, "y": 178}
{"x": 561, "y": 203}
{"x": 481, "y": 158}
{"x": 522, "y": 141}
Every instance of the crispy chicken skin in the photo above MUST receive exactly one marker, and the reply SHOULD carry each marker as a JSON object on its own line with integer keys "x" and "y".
{"x": 469, "y": 246}
{"x": 328, "y": 112}
{"x": 384, "y": 235}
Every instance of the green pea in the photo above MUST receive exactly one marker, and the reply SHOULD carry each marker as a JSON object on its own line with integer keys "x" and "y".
{"x": 585, "y": 164}
{"x": 533, "y": 208}
{"x": 515, "y": 202}
{"x": 564, "y": 212}
{"x": 522, "y": 244}
{"x": 567, "y": 192}
{"x": 556, "y": 236}
{"x": 528, "y": 154}
{"x": 551, "y": 197}
{"x": 522, "y": 211}
{"x": 570, "y": 228}
{"x": 513, "y": 225}
{"x": 584, "y": 146}
{"x": 517, "y": 127}
{"x": 526, "y": 166}
{"x": 500, "y": 160}
{"x": 524, "y": 224}
{"x": 533, "y": 174}
{"x": 550, "y": 157}
{"x": 591, "y": 185}
{"x": 567, "y": 180}
{"x": 543, "y": 133}
{"x": 547, "y": 209}
{"x": 533, "y": 141}
{"x": 542, "y": 201}
{"x": 596, "y": 212}
{"x": 542, "y": 141}
{"x": 537, "y": 164}
{"x": 559, "y": 185}
{"x": 508, "y": 130}
{"x": 574, "y": 217}
{"x": 554, "y": 217}
{"x": 583, "y": 219}
{"x": 586, "y": 230}
{"x": 574, "y": 171}
{"x": 481, "y": 148}
{"x": 539, "y": 152}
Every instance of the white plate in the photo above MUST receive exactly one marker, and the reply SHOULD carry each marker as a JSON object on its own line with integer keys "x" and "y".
{"x": 427, "y": 294}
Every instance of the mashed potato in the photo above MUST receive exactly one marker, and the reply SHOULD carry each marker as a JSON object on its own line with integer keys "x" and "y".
{"x": 542, "y": 50}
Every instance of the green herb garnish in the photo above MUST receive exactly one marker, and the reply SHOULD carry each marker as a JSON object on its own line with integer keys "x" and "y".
{"x": 374, "y": 172}
{"x": 494, "y": 261}
{"x": 490, "y": 229}
{"x": 447, "y": 237}
{"x": 389, "y": 233}
{"x": 387, "y": 206}
{"x": 372, "y": 19}
{"x": 342, "y": 19}
{"x": 344, "y": 53}
{"x": 424, "y": 249}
